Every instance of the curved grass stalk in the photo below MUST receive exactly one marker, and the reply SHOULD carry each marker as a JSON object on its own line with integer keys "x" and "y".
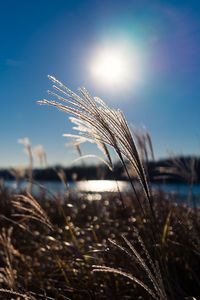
{"x": 14, "y": 293}
{"x": 93, "y": 156}
{"x": 125, "y": 274}
{"x": 30, "y": 208}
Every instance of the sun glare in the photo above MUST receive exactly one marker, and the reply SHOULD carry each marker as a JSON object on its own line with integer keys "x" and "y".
{"x": 115, "y": 65}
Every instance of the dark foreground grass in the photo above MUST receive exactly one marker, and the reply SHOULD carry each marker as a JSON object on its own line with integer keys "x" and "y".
{"x": 40, "y": 263}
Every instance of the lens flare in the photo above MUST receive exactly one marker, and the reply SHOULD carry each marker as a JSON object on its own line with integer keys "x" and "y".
{"x": 115, "y": 65}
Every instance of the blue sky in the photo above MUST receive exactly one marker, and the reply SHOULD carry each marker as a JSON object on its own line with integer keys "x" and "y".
{"x": 60, "y": 37}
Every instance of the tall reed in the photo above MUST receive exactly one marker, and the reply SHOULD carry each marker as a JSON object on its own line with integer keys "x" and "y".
{"x": 97, "y": 123}
{"x": 27, "y": 147}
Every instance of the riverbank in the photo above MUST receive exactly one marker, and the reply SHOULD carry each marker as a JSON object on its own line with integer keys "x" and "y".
{"x": 169, "y": 170}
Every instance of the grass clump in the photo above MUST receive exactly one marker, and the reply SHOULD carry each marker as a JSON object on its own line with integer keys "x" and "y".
{"x": 87, "y": 236}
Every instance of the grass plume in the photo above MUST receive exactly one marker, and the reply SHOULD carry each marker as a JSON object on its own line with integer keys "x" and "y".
{"x": 96, "y": 122}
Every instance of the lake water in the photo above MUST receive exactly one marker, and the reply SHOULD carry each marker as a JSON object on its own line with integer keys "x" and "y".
{"x": 102, "y": 186}
{"x": 84, "y": 186}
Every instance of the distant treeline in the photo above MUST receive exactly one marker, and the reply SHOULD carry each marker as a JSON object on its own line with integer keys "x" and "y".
{"x": 178, "y": 169}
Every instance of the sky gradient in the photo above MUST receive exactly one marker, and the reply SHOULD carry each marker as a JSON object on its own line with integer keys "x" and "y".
{"x": 59, "y": 38}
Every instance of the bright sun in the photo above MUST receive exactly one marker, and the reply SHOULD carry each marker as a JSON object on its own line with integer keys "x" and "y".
{"x": 114, "y": 65}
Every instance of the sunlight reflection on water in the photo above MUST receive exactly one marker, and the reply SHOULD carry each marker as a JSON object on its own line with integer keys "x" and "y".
{"x": 101, "y": 186}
